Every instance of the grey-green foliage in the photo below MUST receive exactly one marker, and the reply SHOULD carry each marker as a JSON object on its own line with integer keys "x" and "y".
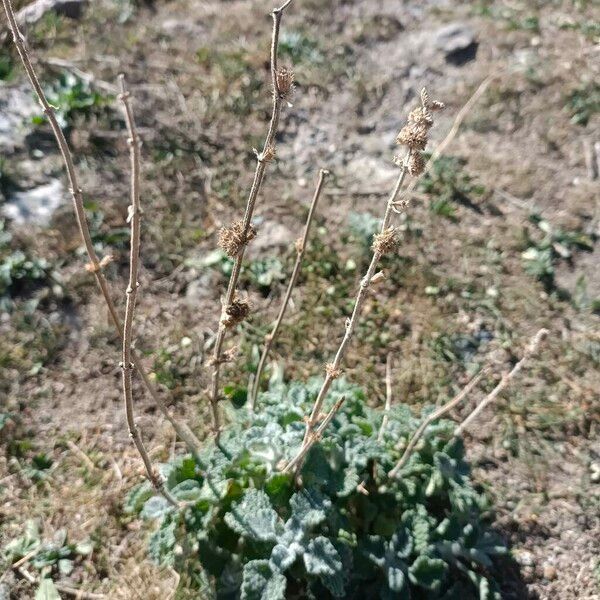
{"x": 554, "y": 245}
{"x": 58, "y": 554}
{"x": 19, "y": 273}
{"x": 257, "y": 534}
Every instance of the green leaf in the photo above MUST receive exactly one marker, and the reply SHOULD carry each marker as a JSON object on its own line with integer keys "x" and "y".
{"x": 428, "y": 572}
{"x": 161, "y": 545}
{"x": 395, "y": 578}
{"x": 47, "y": 590}
{"x": 262, "y": 582}
{"x": 65, "y": 566}
{"x": 310, "y": 507}
{"x": 187, "y": 491}
{"x": 321, "y": 557}
{"x": 254, "y": 517}
{"x": 155, "y": 508}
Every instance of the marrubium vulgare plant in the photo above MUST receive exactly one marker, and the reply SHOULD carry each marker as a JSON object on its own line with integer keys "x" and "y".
{"x": 305, "y": 492}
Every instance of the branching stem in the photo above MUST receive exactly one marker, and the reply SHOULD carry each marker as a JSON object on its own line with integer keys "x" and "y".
{"x": 314, "y": 437}
{"x": 300, "y": 249}
{"x": 127, "y": 366}
{"x": 434, "y": 416}
{"x": 530, "y": 351}
{"x": 259, "y": 174}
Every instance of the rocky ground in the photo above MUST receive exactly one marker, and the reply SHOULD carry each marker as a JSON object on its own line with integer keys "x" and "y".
{"x": 499, "y": 241}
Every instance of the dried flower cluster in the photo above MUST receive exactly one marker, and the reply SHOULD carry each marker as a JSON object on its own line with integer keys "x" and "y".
{"x": 285, "y": 82}
{"x": 236, "y": 312}
{"x": 234, "y": 237}
{"x": 386, "y": 241}
{"x": 415, "y": 134}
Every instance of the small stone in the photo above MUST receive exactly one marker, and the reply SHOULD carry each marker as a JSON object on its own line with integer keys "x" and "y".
{"x": 457, "y": 42}
{"x": 549, "y": 572}
{"x": 37, "y": 205}
{"x": 525, "y": 558}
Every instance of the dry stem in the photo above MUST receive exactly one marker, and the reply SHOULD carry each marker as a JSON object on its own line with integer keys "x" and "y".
{"x": 261, "y": 166}
{"x": 315, "y": 436}
{"x": 530, "y": 351}
{"x": 300, "y": 249}
{"x": 388, "y": 396}
{"x": 182, "y": 430}
{"x": 334, "y": 367}
{"x": 434, "y": 416}
{"x": 135, "y": 215}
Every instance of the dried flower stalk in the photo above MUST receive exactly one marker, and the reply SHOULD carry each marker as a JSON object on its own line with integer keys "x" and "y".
{"x": 419, "y": 123}
{"x": 434, "y": 416}
{"x": 388, "y": 396}
{"x": 300, "y": 249}
{"x": 279, "y": 77}
{"x": 530, "y": 351}
{"x": 135, "y": 217}
{"x": 95, "y": 265}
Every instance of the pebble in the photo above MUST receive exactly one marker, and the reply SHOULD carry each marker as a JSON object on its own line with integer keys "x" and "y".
{"x": 549, "y": 572}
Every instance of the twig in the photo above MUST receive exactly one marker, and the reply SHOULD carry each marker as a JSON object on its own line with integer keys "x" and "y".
{"x": 530, "y": 351}
{"x": 300, "y": 249}
{"x": 315, "y": 435}
{"x": 135, "y": 216}
{"x": 434, "y": 416}
{"x": 282, "y": 83}
{"x": 388, "y": 396}
{"x": 414, "y": 135}
{"x": 82, "y": 455}
{"x": 95, "y": 266}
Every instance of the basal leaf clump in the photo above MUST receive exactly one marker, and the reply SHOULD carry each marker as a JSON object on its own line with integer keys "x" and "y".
{"x": 342, "y": 528}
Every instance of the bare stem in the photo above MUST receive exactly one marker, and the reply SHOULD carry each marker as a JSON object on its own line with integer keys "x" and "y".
{"x": 388, "y": 396}
{"x": 95, "y": 265}
{"x": 300, "y": 249}
{"x": 314, "y": 437}
{"x": 434, "y": 416}
{"x": 530, "y": 351}
{"x": 262, "y": 160}
{"x": 135, "y": 216}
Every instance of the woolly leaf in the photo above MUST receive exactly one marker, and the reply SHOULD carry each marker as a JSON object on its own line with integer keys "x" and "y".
{"x": 138, "y": 496}
{"x": 254, "y": 518}
{"x": 162, "y": 543}
{"x": 187, "y": 491}
{"x": 156, "y": 507}
{"x": 261, "y": 582}
{"x": 309, "y": 507}
{"x": 396, "y": 579}
{"x": 428, "y": 572}
{"x": 321, "y": 557}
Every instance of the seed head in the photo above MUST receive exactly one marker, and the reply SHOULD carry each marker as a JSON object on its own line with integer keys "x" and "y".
{"x": 236, "y": 312}
{"x": 386, "y": 242}
{"x": 416, "y": 164}
{"x": 285, "y": 82}
{"x": 234, "y": 237}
